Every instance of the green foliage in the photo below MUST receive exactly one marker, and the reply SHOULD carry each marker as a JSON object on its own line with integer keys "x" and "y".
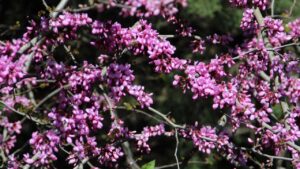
{"x": 149, "y": 165}
{"x": 1, "y": 106}
{"x": 204, "y": 8}
{"x": 277, "y": 111}
{"x": 286, "y": 8}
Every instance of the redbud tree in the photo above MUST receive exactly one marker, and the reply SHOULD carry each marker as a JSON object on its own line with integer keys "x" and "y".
{"x": 72, "y": 109}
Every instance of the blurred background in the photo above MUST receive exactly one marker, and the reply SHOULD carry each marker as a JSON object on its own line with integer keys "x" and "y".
{"x": 206, "y": 17}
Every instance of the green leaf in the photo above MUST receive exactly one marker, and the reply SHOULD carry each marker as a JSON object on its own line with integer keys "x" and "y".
{"x": 277, "y": 111}
{"x": 204, "y": 8}
{"x": 128, "y": 106}
{"x": 1, "y": 106}
{"x": 149, "y": 165}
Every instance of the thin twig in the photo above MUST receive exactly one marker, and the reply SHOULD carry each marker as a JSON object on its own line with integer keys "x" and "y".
{"x": 176, "y": 149}
{"x": 283, "y": 46}
{"x": 51, "y": 95}
{"x": 142, "y": 112}
{"x": 264, "y": 76}
{"x": 68, "y": 50}
{"x": 166, "y": 118}
{"x": 272, "y": 8}
{"x": 260, "y": 19}
{"x": 291, "y": 144}
{"x": 23, "y": 114}
{"x": 268, "y": 49}
{"x": 243, "y": 54}
{"x": 34, "y": 158}
{"x": 45, "y": 81}
{"x": 46, "y": 5}
{"x": 26, "y": 69}
{"x": 31, "y": 94}
{"x": 270, "y": 156}
{"x": 175, "y": 164}
{"x": 94, "y": 6}
{"x": 292, "y": 7}
{"x": 129, "y": 156}
{"x": 36, "y": 39}
{"x": 125, "y": 145}
{"x": 115, "y": 4}
{"x": 59, "y": 7}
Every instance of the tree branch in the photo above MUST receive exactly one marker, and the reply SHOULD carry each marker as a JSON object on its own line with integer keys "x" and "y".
{"x": 125, "y": 145}
{"x": 24, "y": 114}
{"x": 51, "y": 95}
{"x": 166, "y": 118}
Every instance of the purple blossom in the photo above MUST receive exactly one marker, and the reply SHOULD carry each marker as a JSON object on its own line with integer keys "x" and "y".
{"x": 205, "y": 138}
{"x": 76, "y": 115}
{"x": 9, "y": 139}
{"x": 293, "y": 90}
{"x": 275, "y": 31}
{"x": 140, "y": 40}
{"x": 239, "y": 3}
{"x": 85, "y": 78}
{"x": 262, "y": 4}
{"x": 295, "y": 28}
{"x": 69, "y": 20}
{"x": 120, "y": 79}
{"x": 205, "y": 132}
{"x": 11, "y": 71}
{"x": 44, "y": 147}
{"x": 155, "y": 7}
{"x": 146, "y": 134}
{"x": 248, "y": 23}
{"x": 143, "y": 98}
{"x": 200, "y": 80}
{"x": 228, "y": 96}
{"x": 110, "y": 155}
{"x": 199, "y": 46}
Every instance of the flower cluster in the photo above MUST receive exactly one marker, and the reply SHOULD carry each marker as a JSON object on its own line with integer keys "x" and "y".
{"x": 200, "y": 77}
{"x": 63, "y": 28}
{"x": 205, "y": 138}
{"x": 200, "y": 80}
{"x": 227, "y": 96}
{"x": 120, "y": 79}
{"x": 262, "y": 4}
{"x": 256, "y": 60}
{"x": 68, "y": 20}
{"x": 293, "y": 122}
{"x": 85, "y": 78}
{"x": 146, "y": 134}
{"x": 295, "y": 28}
{"x": 69, "y": 100}
{"x": 293, "y": 90}
{"x": 109, "y": 155}
{"x": 248, "y": 22}
{"x": 44, "y": 146}
{"x": 143, "y": 98}
{"x": 12, "y": 67}
{"x": 147, "y": 8}
{"x": 8, "y": 137}
{"x": 240, "y": 3}
{"x": 275, "y": 31}
{"x": 199, "y": 46}
{"x": 140, "y": 40}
